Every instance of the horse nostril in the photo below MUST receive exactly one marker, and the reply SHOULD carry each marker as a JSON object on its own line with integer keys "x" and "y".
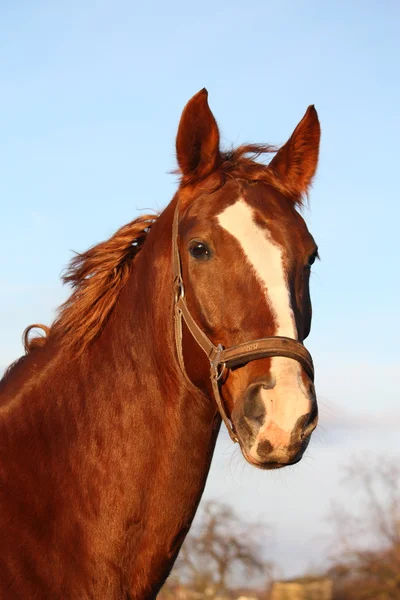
{"x": 259, "y": 419}
{"x": 307, "y": 431}
{"x": 253, "y": 406}
{"x": 309, "y": 423}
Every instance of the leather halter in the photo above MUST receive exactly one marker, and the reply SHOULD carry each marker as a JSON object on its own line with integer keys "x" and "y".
{"x": 225, "y": 358}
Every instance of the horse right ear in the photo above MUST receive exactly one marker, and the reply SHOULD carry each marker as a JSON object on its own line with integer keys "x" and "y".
{"x": 197, "y": 142}
{"x": 296, "y": 162}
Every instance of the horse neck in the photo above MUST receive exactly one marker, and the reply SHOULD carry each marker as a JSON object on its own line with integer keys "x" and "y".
{"x": 114, "y": 435}
{"x": 171, "y": 427}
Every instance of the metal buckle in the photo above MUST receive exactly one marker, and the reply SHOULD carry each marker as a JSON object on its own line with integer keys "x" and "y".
{"x": 216, "y": 363}
{"x": 179, "y": 289}
{"x": 217, "y": 376}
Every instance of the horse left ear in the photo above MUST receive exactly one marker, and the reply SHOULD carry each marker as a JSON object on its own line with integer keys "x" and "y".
{"x": 296, "y": 162}
{"x": 197, "y": 142}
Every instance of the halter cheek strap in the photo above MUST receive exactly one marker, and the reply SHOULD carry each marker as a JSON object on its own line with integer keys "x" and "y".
{"x": 225, "y": 358}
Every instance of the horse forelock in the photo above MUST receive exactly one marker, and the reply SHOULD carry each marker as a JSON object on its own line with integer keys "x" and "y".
{"x": 97, "y": 277}
{"x": 241, "y": 163}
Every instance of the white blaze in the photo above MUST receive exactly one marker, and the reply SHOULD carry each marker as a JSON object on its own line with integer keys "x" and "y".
{"x": 265, "y": 256}
{"x": 288, "y": 400}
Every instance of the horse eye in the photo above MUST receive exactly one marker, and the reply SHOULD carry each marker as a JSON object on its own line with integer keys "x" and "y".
{"x": 312, "y": 259}
{"x": 200, "y": 250}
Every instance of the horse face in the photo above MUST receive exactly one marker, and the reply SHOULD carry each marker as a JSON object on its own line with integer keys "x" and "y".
{"x": 246, "y": 257}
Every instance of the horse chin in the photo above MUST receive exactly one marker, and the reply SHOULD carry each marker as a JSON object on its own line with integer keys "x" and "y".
{"x": 268, "y": 465}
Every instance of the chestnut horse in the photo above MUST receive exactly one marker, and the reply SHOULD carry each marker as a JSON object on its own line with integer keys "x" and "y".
{"x": 108, "y": 423}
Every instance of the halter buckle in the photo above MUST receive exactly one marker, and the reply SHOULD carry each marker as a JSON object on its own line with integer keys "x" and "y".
{"x": 218, "y": 374}
{"x": 179, "y": 289}
{"x": 215, "y": 363}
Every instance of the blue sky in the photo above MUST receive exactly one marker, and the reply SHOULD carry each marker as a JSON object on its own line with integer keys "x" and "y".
{"x": 91, "y": 94}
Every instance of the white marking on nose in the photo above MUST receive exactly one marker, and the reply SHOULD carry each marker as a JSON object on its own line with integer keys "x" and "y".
{"x": 289, "y": 399}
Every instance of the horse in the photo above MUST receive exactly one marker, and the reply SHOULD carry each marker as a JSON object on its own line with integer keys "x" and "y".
{"x": 176, "y": 323}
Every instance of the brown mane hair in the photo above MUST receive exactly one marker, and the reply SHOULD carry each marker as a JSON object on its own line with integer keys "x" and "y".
{"x": 241, "y": 163}
{"x": 97, "y": 277}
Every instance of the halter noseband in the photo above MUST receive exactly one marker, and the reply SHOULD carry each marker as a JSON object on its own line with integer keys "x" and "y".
{"x": 226, "y": 358}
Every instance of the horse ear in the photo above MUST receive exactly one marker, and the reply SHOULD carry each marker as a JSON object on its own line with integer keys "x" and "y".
{"x": 197, "y": 142}
{"x": 296, "y": 162}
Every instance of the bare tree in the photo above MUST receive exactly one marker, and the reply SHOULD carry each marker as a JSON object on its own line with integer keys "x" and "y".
{"x": 367, "y": 542}
{"x": 221, "y": 547}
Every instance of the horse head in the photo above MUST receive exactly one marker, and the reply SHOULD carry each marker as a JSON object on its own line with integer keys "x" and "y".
{"x": 245, "y": 255}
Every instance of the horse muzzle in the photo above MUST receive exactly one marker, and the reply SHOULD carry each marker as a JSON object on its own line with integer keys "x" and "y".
{"x": 274, "y": 422}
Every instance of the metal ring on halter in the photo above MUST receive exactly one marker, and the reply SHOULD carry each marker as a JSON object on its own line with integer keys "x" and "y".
{"x": 218, "y": 376}
{"x": 179, "y": 290}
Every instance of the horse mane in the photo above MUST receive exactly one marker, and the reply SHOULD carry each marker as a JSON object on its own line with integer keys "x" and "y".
{"x": 241, "y": 163}
{"x": 97, "y": 277}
